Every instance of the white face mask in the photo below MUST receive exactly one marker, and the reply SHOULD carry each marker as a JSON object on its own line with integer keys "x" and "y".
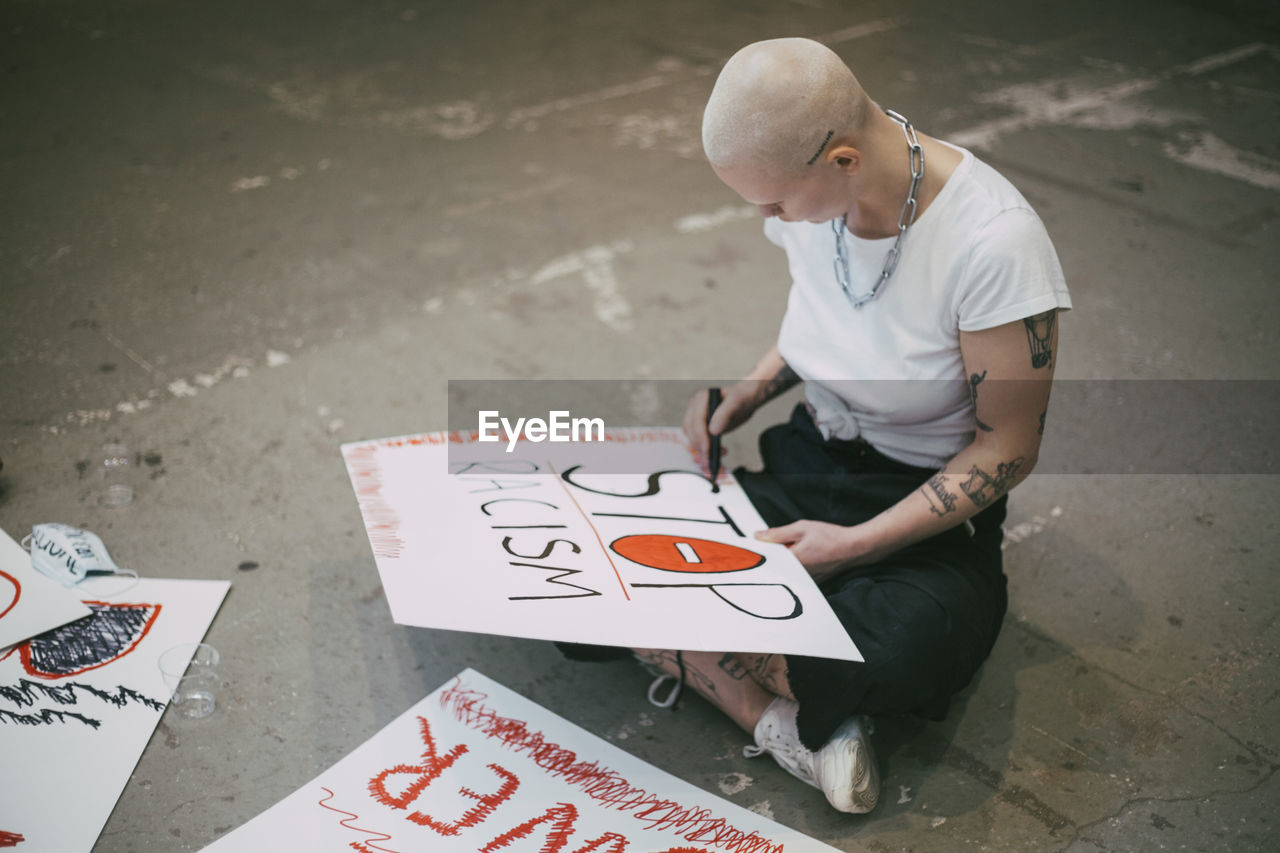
{"x": 68, "y": 554}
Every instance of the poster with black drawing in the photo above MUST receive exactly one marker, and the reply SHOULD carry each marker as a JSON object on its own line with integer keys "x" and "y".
{"x": 30, "y": 602}
{"x": 619, "y": 542}
{"x": 79, "y": 703}
{"x": 476, "y": 767}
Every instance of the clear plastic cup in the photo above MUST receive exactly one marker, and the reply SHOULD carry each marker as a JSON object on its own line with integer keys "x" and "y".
{"x": 115, "y": 468}
{"x": 190, "y": 671}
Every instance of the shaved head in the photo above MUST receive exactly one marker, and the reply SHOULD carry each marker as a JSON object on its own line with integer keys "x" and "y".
{"x": 777, "y": 104}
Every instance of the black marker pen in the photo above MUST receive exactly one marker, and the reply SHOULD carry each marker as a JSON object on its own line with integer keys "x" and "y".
{"x": 713, "y": 462}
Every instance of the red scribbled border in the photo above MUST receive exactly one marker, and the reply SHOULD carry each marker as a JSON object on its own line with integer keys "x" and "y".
{"x": 17, "y": 594}
{"x": 603, "y": 784}
{"x": 24, "y": 650}
{"x": 380, "y": 520}
{"x": 357, "y": 845}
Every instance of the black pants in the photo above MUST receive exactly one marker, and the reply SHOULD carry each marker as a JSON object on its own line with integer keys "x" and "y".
{"x": 924, "y": 618}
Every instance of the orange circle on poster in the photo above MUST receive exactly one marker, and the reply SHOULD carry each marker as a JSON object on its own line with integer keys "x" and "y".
{"x": 685, "y": 554}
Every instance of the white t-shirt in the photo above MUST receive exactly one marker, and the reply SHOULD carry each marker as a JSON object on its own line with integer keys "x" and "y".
{"x": 891, "y": 371}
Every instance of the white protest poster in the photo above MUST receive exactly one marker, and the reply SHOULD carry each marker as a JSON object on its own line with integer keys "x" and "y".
{"x": 618, "y": 542}
{"x": 475, "y": 767}
{"x": 79, "y": 703}
{"x": 30, "y": 603}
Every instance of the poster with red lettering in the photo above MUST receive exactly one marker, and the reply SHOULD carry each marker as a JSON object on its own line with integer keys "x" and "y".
{"x": 79, "y": 703}
{"x": 620, "y": 542}
{"x": 476, "y": 767}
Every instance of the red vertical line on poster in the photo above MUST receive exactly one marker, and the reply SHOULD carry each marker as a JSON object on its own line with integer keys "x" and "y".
{"x": 599, "y": 541}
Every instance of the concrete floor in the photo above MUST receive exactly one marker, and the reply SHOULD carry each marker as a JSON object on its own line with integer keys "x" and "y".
{"x": 237, "y": 234}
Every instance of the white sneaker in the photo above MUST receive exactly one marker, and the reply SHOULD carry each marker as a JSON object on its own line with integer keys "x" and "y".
{"x": 844, "y": 769}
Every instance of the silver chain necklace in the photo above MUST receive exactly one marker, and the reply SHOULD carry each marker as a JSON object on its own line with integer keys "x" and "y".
{"x": 905, "y": 219}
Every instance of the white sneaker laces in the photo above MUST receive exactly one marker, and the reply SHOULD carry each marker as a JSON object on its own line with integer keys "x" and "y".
{"x": 661, "y": 679}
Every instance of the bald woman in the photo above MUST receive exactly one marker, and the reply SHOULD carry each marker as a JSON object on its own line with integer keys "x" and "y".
{"x": 922, "y": 322}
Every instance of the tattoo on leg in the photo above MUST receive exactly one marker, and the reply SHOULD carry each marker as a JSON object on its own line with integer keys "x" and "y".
{"x": 732, "y": 666}
{"x": 1040, "y": 430}
{"x": 692, "y": 674}
{"x": 983, "y": 488}
{"x": 669, "y": 662}
{"x": 975, "y": 380}
{"x": 768, "y": 671}
{"x": 1040, "y": 337}
{"x": 700, "y": 681}
{"x": 761, "y": 670}
{"x": 941, "y": 501}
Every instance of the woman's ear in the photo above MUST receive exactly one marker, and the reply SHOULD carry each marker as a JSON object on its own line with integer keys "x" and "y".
{"x": 848, "y": 158}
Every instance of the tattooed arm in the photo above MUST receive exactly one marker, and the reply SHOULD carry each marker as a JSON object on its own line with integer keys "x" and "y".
{"x": 1010, "y": 370}
{"x": 770, "y": 378}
